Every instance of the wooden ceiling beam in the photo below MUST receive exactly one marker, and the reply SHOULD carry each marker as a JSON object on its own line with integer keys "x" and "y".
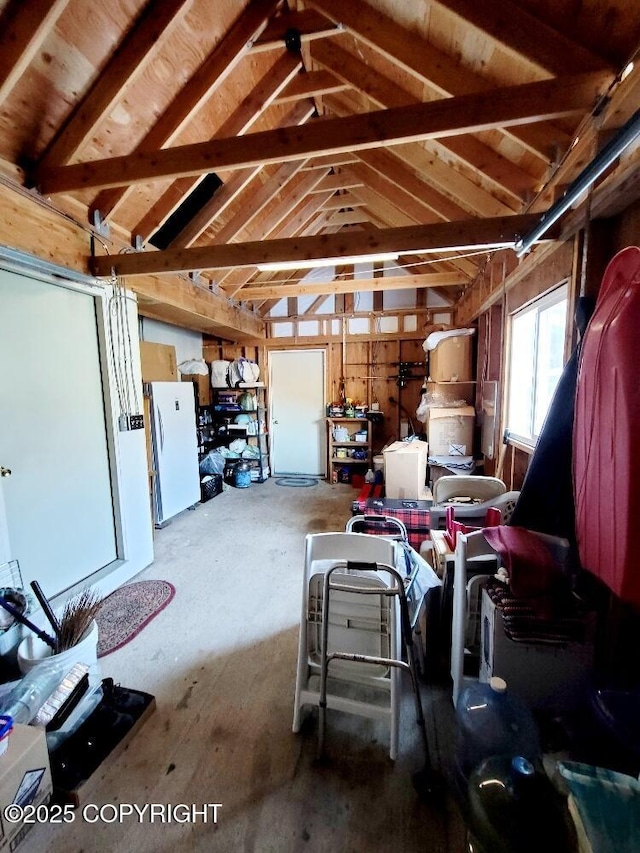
{"x": 310, "y": 85}
{"x": 530, "y": 102}
{"x": 127, "y": 62}
{"x": 23, "y": 29}
{"x": 429, "y": 64}
{"x": 416, "y": 239}
{"x": 214, "y": 70}
{"x": 240, "y": 120}
{"x": 331, "y": 161}
{"x": 380, "y": 184}
{"x": 309, "y": 23}
{"x": 354, "y": 285}
{"x": 385, "y": 93}
{"x": 513, "y": 27}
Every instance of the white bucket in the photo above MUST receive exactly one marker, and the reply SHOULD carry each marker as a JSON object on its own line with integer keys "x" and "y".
{"x": 32, "y": 651}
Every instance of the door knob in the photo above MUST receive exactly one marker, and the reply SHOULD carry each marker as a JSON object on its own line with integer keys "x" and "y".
{"x": 5, "y": 472}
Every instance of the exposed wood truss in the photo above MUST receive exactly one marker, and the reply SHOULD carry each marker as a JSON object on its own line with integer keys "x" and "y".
{"x": 273, "y": 130}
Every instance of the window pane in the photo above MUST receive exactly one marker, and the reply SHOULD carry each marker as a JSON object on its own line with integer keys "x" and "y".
{"x": 549, "y": 363}
{"x": 522, "y": 366}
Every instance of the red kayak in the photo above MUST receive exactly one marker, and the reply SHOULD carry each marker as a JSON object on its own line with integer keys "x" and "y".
{"x": 606, "y": 433}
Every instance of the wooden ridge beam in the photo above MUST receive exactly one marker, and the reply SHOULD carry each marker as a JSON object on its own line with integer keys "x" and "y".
{"x": 529, "y": 102}
{"x": 23, "y": 29}
{"x": 354, "y": 285}
{"x": 212, "y": 73}
{"x": 499, "y": 231}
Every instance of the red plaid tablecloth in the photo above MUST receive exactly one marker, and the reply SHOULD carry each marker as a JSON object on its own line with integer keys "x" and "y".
{"x": 413, "y": 514}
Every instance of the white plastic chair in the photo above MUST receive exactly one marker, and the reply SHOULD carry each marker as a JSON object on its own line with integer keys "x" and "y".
{"x": 475, "y": 561}
{"x": 357, "y": 624}
{"x": 482, "y": 488}
{"x": 475, "y": 514}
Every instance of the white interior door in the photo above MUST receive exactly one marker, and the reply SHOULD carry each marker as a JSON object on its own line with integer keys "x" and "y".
{"x": 297, "y": 412}
{"x": 58, "y": 501}
{"x": 5, "y": 548}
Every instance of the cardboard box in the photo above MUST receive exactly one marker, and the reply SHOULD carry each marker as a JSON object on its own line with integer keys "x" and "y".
{"x": 158, "y": 362}
{"x": 450, "y": 393}
{"x": 405, "y": 469}
{"x": 450, "y": 361}
{"x": 202, "y": 387}
{"x": 25, "y": 779}
{"x": 447, "y": 428}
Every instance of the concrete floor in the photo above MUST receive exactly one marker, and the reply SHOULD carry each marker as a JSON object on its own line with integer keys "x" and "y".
{"x": 221, "y": 661}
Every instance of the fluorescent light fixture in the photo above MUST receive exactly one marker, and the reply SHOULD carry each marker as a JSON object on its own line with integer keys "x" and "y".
{"x": 462, "y": 247}
{"x": 278, "y": 266}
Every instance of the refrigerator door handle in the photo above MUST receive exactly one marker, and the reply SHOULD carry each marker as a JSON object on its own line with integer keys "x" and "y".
{"x": 161, "y": 428}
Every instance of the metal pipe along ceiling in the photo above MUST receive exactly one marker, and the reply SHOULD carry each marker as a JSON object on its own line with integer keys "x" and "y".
{"x": 627, "y": 134}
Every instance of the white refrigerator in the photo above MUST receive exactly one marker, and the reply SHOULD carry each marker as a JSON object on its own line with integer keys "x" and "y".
{"x": 175, "y": 449}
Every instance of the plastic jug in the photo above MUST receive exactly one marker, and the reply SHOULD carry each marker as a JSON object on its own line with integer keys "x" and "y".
{"x": 242, "y": 475}
{"x": 491, "y": 722}
{"x": 513, "y": 808}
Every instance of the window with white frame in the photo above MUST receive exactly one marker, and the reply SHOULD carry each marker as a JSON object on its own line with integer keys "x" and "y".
{"x": 536, "y": 360}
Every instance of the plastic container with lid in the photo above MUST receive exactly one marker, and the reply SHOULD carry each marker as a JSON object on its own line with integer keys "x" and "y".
{"x": 242, "y": 475}
{"x": 493, "y": 721}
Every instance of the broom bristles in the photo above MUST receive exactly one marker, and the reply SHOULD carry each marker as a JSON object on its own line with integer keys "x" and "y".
{"x": 78, "y": 614}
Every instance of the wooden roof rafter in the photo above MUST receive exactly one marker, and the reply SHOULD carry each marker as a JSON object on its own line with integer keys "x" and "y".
{"x": 23, "y": 29}
{"x": 129, "y": 60}
{"x": 238, "y": 123}
{"x": 385, "y": 93}
{"x": 420, "y": 58}
{"x": 512, "y": 26}
{"x": 216, "y": 68}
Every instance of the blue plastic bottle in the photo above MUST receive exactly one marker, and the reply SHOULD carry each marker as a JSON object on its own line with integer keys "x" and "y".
{"x": 493, "y": 722}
